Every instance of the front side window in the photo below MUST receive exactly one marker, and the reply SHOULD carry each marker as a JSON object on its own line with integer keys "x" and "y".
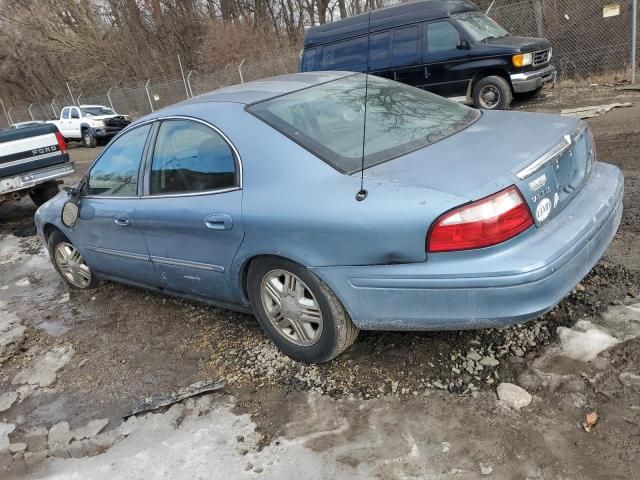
{"x": 75, "y": 113}
{"x": 480, "y": 27}
{"x": 190, "y": 157}
{"x": 328, "y": 120}
{"x": 115, "y": 174}
{"x": 442, "y": 36}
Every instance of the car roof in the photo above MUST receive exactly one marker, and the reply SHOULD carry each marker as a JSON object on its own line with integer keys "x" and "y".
{"x": 384, "y": 18}
{"x": 258, "y": 90}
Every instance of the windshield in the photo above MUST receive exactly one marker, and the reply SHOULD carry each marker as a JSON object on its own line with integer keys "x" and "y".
{"x": 480, "y": 27}
{"x": 328, "y": 120}
{"x": 95, "y": 111}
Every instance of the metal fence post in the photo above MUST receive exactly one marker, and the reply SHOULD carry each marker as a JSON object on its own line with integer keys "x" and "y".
{"x": 146, "y": 88}
{"x": 29, "y": 110}
{"x": 634, "y": 39}
{"x": 69, "y": 88}
{"x": 109, "y": 98}
{"x": 78, "y": 99}
{"x": 184, "y": 80}
{"x": 240, "y": 71}
{"x": 53, "y": 108}
{"x": 189, "y": 83}
{"x": 9, "y": 116}
{"x": 5, "y": 112}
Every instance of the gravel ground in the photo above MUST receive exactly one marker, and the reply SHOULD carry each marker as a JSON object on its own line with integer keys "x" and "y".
{"x": 130, "y": 344}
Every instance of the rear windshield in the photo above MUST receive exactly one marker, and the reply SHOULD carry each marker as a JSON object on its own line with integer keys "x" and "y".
{"x": 329, "y": 119}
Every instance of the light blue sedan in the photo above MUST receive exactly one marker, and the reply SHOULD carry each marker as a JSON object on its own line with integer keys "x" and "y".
{"x": 255, "y": 198}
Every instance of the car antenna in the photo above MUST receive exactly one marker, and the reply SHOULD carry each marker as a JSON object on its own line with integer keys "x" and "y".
{"x": 362, "y": 193}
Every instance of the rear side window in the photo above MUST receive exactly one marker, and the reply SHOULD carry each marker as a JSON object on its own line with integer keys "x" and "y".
{"x": 190, "y": 157}
{"x": 442, "y": 36}
{"x": 379, "y": 50}
{"x": 405, "y": 45}
{"x": 308, "y": 62}
{"x": 349, "y": 55}
{"x": 65, "y": 113}
{"x": 115, "y": 174}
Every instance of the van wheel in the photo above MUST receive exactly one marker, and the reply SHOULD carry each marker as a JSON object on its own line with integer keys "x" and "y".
{"x": 492, "y": 93}
{"x": 298, "y": 311}
{"x": 88, "y": 138}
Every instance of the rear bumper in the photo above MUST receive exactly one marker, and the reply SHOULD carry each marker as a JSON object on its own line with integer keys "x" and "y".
{"x": 31, "y": 179}
{"x": 529, "y": 81}
{"x": 492, "y": 287}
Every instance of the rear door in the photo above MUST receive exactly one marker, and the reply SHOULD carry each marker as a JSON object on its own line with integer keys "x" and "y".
{"x": 63, "y": 124}
{"x": 106, "y": 229}
{"x": 191, "y": 211}
{"x": 445, "y": 55}
{"x": 405, "y": 55}
{"x": 74, "y": 122}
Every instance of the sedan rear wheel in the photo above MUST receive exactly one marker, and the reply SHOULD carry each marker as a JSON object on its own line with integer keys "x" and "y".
{"x": 69, "y": 263}
{"x": 298, "y": 311}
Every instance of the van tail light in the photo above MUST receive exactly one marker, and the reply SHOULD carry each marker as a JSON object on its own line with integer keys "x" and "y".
{"x": 483, "y": 223}
{"x": 62, "y": 145}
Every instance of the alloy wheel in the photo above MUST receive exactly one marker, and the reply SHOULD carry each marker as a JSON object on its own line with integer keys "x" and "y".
{"x": 291, "y": 307}
{"x": 72, "y": 266}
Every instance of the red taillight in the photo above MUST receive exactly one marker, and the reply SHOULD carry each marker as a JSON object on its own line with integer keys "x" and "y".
{"x": 61, "y": 143}
{"x": 486, "y": 222}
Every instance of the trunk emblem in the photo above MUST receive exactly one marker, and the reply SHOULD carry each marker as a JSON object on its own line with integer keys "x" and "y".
{"x": 543, "y": 210}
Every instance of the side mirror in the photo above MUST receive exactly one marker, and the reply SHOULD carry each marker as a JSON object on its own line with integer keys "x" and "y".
{"x": 463, "y": 44}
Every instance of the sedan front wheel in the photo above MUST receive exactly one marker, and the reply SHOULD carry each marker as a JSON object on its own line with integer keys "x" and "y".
{"x": 69, "y": 263}
{"x": 298, "y": 311}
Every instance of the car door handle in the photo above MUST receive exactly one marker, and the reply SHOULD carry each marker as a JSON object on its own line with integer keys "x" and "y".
{"x": 121, "y": 220}
{"x": 219, "y": 221}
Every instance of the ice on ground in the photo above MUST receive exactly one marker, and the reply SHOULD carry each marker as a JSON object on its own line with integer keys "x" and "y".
{"x": 588, "y": 338}
{"x": 23, "y": 282}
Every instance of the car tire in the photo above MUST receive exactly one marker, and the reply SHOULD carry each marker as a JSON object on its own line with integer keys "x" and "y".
{"x": 74, "y": 271}
{"x": 88, "y": 138}
{"x": 44, "y": 192}
{"x": 492, "y": 93}
{"x": 330, "y": 330}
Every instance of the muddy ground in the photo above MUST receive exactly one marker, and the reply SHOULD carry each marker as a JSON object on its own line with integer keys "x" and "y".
{"x": 395, "y": 405}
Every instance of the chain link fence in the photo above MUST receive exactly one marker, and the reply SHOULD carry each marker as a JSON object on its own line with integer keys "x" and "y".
{"x": 591, "y": 38}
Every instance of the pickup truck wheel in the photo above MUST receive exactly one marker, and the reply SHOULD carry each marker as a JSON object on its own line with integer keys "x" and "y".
{"x": 492, "y": 93}
{"x": 298, "y": 311}
{"x": 69, "y": 263}
{"x": 88, "y": 138}
{"x": 44, "y": 192}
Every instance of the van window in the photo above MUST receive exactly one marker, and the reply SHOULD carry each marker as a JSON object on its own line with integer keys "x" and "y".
{"x": 405, "y": 45}
{"x": 442, "y": 36}
{"x": 350, "y": 54}
{"x": 308, "y": 63}
{"x": 379, "y": 50}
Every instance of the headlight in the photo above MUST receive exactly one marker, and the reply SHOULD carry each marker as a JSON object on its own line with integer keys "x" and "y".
{"x": 550, "y": 53}
{"x": 97, "y": 123}
{"x": 522, "y": 59}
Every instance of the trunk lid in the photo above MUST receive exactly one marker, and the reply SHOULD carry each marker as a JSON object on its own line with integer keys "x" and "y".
{"x": 494, "y": 153}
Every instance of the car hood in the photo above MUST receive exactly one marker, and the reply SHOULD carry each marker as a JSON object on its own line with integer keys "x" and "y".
{"x": 481, "y": 159}
{"x": 520, "y": 44}
{"x": 103, "y": 117}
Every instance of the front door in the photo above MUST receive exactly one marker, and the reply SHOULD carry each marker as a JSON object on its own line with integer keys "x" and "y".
{"x": 191, "y": 211}
{"x": 111, "y": 241}
{"x": 445, "y": 53}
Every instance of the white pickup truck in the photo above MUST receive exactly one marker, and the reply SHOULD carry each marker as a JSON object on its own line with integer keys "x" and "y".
{"x": 89, "y": 124}
{"x": 32, "y": 161}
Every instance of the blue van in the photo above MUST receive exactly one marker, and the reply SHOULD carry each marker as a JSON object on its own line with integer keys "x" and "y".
{"x": 449, "y": 47}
